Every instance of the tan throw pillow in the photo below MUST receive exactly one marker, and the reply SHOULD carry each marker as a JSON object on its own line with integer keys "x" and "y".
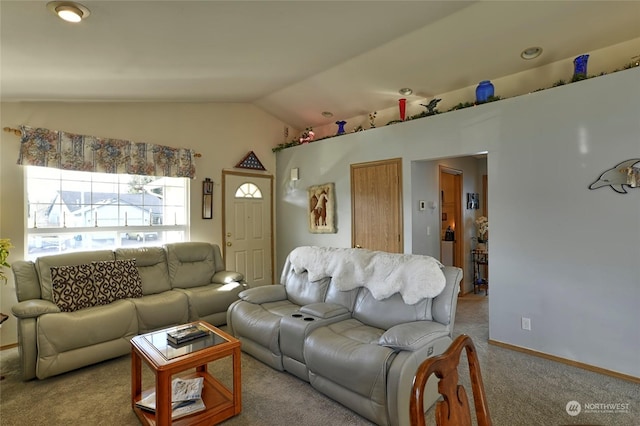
{"x": 116, "y": 279}
{"x": 72, "y": 287}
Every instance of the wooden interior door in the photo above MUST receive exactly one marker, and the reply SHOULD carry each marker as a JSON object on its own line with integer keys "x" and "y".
{"x": 451, "y": 204}
{"x": 248, "y": 226}
{"x": 376, "y": 205}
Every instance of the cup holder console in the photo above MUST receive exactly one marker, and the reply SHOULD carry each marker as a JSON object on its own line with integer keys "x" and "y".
{"x": 303, "y": 317}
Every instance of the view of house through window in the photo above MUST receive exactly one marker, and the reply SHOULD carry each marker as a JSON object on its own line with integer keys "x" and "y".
{"x": 77, "y": 211}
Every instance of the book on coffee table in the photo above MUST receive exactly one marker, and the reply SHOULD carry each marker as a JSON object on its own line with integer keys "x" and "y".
{"x": 186, "y": 334}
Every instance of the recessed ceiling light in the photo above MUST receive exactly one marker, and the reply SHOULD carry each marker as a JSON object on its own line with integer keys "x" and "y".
{"x": 531, "y": 52}
{"x": 327, "y": 114}
{"x": 405, "y": 91}
{"x": 68, "y": 10}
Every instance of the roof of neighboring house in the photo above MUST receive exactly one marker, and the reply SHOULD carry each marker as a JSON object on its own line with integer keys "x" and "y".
{"x": 144, "y": 200}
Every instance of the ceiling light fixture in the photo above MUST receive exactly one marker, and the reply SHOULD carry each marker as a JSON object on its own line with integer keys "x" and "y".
{"x": 405, "y": 91}
{"x": 531, "y": 53}
{"x": 68, "y": 10}
{"x": 327, "y": 114}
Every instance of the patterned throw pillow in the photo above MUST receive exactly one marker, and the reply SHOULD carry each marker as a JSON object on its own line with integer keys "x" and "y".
{"x": 116, "y": 279}
{"x": 72, "y": 287}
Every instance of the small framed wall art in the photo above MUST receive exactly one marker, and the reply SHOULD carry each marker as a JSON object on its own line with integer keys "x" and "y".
{"x": 207, "y": 199}
{"x": 321, "y": 212}
{"x": 473, "y": 200}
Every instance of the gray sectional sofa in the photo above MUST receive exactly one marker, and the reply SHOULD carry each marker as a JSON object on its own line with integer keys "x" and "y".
{"x": 356, "y": 327}
{"x": 76, "y": 309}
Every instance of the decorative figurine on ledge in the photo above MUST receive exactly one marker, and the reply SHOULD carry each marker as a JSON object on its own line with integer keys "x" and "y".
{"x": 431, "y": 106}
{"x": 372, "y": 119}
{"x": 307, "y": 136}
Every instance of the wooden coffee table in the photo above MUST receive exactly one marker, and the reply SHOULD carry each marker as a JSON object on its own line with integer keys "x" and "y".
{"x": 166, "y": 360}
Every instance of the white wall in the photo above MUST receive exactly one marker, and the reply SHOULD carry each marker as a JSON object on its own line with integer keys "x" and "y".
{"x": 561, "y": 254}
{"x": 218, "y": 131}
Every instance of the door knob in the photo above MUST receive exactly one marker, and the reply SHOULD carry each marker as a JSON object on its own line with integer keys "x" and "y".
{"x": 228, "y": 234}
{"x": 229, "y": 244}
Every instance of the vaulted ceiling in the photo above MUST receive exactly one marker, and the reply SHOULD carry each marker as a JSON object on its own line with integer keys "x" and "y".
{"x": 294, "y": 59}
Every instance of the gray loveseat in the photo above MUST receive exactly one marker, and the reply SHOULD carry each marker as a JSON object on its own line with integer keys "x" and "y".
{"x": 354, "y": 328}
{"x": 76, "y": 309}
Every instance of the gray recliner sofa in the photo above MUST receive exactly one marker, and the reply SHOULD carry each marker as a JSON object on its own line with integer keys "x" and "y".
{"x": 66, "y": 322}
{"x": 354, "y": 345}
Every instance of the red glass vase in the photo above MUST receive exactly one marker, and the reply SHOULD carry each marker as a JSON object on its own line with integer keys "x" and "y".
{"x": 402, "y": 104}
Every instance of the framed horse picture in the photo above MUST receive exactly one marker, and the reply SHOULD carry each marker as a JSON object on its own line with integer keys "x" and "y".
{"x": 322, "y": 208}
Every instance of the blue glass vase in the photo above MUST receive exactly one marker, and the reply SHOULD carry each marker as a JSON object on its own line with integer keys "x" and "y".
{"x": 484, "y": 91}
{"x": 341, "y": 127}
{"x": 580, "y": 67}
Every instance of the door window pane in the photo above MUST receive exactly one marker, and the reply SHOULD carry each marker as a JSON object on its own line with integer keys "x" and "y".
{"x": 248, "y": 190}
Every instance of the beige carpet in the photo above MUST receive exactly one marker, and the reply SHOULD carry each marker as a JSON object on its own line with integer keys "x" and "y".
{"x": 100, "y": 395}
{"x": 521, "y": 389}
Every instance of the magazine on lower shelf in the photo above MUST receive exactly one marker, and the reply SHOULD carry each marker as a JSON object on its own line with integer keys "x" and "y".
{"x": 185, "y": 398}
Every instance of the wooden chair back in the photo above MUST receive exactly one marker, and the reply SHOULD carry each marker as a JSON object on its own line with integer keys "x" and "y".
{"x": 454, "y": 409}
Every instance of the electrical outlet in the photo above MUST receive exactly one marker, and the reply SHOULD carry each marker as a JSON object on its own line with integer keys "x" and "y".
{"x": 526, "y": 323}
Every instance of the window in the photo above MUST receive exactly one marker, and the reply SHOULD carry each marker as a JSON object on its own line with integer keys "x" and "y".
{"x": 76, "y": 211}
{"x": 248, "y": 190}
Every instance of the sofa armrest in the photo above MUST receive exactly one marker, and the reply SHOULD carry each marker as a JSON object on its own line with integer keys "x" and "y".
{"x": 264, "y": 294}
{"x": 226, "y": 277}
{"x": 34, "y": 308}
{"x": 411, "y": 336}
{"x": 324, "y": 310}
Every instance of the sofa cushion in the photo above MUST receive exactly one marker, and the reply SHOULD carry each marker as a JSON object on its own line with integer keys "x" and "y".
{"x": 302, "y": 292}
{"x": 389, "y": 312}
{"x": 190, "y": 264}
{"x": 261, "y": 323}
{"x": 116, "y": 279}
{"x": 85, "y": 327}
{"x": 210, "y": 299}
{"x": 152, "y": 267}
{"x": 347, "y": 354}
{"x": 161, "y": 310}
{"x": 72, "y": 287}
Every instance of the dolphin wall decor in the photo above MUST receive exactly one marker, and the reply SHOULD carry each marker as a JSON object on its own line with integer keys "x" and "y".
{"x": 624, "y": 174}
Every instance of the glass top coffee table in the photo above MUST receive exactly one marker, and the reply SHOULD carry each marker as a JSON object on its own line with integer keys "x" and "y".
{"x": 166, "y": 359}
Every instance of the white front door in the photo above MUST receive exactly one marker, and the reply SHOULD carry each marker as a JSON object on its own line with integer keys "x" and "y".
{"x": 248, "y": 229}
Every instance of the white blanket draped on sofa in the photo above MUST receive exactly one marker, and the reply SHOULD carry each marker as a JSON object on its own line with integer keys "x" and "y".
{"x": 413, "y": 276}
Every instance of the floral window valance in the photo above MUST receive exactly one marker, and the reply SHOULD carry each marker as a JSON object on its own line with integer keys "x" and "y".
{"x": 70, "y": 151}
